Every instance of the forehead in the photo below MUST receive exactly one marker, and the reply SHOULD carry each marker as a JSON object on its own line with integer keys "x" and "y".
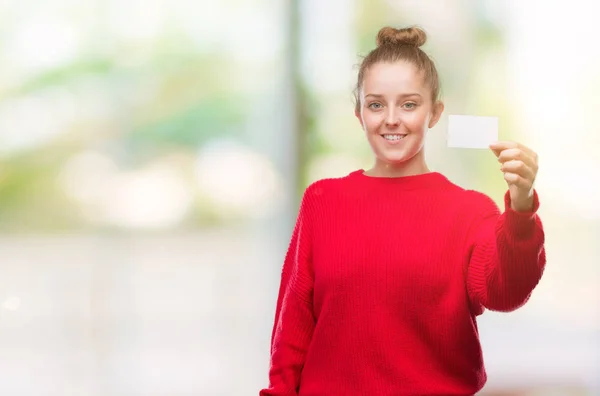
{"x": 394, "y": 78}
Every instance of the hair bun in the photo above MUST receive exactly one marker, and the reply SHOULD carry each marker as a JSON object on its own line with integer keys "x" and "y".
{"x": 407, "y": 36}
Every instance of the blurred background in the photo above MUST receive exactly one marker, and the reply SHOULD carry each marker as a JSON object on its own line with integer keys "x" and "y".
{"x": 152, "y": 156}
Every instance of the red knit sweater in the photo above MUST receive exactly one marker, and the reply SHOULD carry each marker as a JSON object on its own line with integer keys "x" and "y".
{"x": 382, "y": 283}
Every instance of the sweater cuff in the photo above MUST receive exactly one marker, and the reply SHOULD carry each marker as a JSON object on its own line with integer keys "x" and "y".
{"x": 521, "y": 224}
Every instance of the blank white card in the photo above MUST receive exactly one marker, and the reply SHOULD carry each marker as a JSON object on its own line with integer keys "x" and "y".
{"x": 472, "y": 131}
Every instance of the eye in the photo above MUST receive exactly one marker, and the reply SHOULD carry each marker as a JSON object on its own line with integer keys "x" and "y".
{"x": 410, "y": 105}
{"x": 375, "y": 106}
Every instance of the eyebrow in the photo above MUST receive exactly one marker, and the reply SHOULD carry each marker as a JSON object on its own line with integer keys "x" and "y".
{"x": 403, "y": 95}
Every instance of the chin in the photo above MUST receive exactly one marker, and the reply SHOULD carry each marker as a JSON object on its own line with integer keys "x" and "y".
{"x": 392, "y": 159}
{"x": 397, "y": 159}
{"x": 398, "y": 156}
{"x": 395, "y": 162}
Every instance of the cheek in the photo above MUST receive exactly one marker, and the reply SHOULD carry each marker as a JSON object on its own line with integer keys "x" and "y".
{"x": 417, "y": 122}
{"x": 372, "y": 121}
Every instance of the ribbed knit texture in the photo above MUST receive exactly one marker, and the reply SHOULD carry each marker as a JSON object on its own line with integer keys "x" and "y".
{"x": 382, "y": 283}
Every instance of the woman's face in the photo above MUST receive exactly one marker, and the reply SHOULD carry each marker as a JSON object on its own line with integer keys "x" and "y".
{"x": 396, "y": 111}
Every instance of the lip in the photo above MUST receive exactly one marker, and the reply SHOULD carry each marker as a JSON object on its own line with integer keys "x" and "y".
{"x": 393, "y": 142}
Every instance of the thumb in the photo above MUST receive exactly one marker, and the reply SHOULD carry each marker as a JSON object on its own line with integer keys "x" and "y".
{"x": 496, "y": 149}
{"x": 499, "y": 146}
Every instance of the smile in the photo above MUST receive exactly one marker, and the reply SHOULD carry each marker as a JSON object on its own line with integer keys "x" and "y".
{"x": 393, "y": 138}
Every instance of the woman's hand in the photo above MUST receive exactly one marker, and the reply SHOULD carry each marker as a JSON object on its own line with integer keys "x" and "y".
{"x": 520, "y": 167}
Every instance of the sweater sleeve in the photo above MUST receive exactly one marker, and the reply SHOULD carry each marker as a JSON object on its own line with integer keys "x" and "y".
{"x": 506, "y": 256}
{"x": 294, "y": 319}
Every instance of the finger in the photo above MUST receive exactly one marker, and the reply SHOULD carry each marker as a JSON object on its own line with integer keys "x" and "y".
{"x": 510, "y": 155}
{"x": 499, "y": 146}
{"x": 504, "y": 144}
{"x": 516, "y": 154}
{"x": 519, "y": 168}
{"x": 527, "y": 150}
{"x": 516, "y": 180}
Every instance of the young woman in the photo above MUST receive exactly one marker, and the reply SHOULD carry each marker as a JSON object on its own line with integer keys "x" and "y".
{"x": 388, "y": 268}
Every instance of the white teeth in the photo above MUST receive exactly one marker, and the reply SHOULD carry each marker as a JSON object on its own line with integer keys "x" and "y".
{"x": 393, "y": 137}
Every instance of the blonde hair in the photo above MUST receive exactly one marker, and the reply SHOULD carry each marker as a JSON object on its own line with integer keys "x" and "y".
{"x": 395, "y": 45}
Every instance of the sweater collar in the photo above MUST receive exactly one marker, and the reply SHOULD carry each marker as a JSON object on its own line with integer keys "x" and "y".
{"x": 424, "y": 180}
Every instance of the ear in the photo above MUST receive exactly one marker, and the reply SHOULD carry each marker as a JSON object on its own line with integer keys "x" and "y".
{"x": 357, "y": 115}
{"x": 438, "y": 109}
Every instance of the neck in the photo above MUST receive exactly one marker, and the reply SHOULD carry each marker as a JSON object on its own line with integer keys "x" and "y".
{"x": 414, "y": 166}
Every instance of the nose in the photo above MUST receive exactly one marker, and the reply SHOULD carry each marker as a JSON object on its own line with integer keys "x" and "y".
{"x": 392, "y": 118}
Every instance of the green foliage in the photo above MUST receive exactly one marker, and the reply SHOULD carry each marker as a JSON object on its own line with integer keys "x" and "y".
{"x": 191, "y": 126}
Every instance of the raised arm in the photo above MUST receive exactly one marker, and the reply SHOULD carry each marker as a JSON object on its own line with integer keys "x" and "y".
{"x": 506, "y": 256}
